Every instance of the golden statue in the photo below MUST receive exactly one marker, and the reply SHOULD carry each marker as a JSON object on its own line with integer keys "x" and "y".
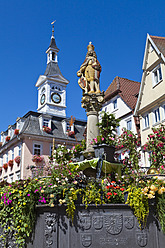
{"x": 89, "y": 72}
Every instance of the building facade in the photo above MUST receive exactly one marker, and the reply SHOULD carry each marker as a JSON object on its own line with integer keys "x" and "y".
{"x": 150, "y": 106}
{"x": 120, "y": 100}
{"x": 33, "y": 134}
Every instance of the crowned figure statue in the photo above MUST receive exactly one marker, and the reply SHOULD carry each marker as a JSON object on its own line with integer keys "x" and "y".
{"x": 89, "y": 72}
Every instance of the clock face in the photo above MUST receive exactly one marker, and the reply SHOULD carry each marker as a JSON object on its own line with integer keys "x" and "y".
{"x": 42, "y": 100}
{"x": 56, "y": 98}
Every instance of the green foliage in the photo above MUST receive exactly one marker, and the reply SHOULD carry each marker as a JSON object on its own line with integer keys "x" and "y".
{"x": 156, "y": 145}
{"x": 139, "y": 203}
{"x": 161, "y": 211}
{"x": 108, "y": 126}
{"x": 92, "y": 194}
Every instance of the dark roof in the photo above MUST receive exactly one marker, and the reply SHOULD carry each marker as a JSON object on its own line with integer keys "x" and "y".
{"x": 52, "y": 68}
{"x": 127, "y": 89}
{"x": 53, "y": 43}
{"x": 159, "y": 42}
{"x": 31, "y": 126}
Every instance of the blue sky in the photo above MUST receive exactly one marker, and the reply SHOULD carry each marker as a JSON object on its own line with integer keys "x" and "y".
{"x": 117, "y": 28}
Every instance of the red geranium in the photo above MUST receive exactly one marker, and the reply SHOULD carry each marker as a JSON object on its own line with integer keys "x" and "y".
{"x": 16, "y": 131}
{"x": 5, "y": 166}
{"x": 7, "y": 138}
{"x": 47, "y": 129}
{"x": 17, "y": 159}
{"x": 10, "y": 163}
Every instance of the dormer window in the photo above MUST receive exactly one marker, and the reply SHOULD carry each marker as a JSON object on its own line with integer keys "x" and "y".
{"x": 46, "y": 122}
{"x": 157, "y": 75}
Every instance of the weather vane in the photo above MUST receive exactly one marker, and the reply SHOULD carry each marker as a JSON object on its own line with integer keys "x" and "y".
{"x": 52, "y": 23}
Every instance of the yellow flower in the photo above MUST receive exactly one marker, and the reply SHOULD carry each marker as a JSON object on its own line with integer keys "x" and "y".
{"x": 8, "y": 227}
{"x": 24, "y": 203}
{"x": 160, "y": 191}
{"x": 51, "y": 196}
{"x": 72, "y": 189}
{"x": 60, "y": 201}
{"x": 52, "y": 205}
{"x": 153, "y": 188}
{"x": 20, "y": 192}
{"x": 152, "y": 192}
{"x": 145, "y": 189}
{"x": 150, "y": 196}
{"x": 63, "y": 201}
{"x": 42, "y": 191}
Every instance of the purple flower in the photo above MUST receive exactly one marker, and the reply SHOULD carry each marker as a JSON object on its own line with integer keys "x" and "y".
{"x": 28, "y": 194}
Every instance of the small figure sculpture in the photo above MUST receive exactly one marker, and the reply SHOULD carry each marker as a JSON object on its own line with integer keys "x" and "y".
{"x": 89, "y": 72}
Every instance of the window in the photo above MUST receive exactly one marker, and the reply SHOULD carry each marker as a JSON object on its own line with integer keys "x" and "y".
{"x": 7, "y": 158}
{"x": 18, "y": 175}
{"x": 156, "y": 115}
{"x": 68, "y": 127}
{"x": 5, "y": 178}
{"x": 115, "y": 104}
{"x": 1, "y": 161}
{"x": 129, "y": 124}
{"x": 163, "y": 112}
{"x": 36, "y": 149}
{"x": 53, "y": 56}
{"x": 46, "y": 122}
{"x": 12, "y": 154}
{"x": 11, "y": 177}
{"x": 19, "y": 150}
{"x": 146, "y": 121}
{"x": 157, "y": 75}
{"x": 118, "y": 130}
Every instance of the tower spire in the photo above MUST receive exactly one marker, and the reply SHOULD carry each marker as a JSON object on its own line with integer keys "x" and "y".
{"x": 53, "y": 28}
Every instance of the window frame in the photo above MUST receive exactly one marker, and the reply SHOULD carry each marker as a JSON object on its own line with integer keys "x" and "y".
{"x": 127, "y": 121}
{"x": 38, "y": 144}
{"x": 146, "y": 121}
{"x": 157, "y": 70}
{"x": 114, "y": 104}
{"x": 155, "y": 116}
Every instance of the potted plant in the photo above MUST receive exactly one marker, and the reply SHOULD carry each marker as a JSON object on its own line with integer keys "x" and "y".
{"x": 105, "y": 142}
{"x": 37, "y": 158}
{"x": 7, "y": 138}
{"x": 71, "y": 133}
{"x": 47, "y": 129}
{"x": 16, "y": 131}
{"x": 101, "y": 147}
{"x": 10, "y": 163}
{"x": 5, "y": 166}
{"x": 17, "y": 160}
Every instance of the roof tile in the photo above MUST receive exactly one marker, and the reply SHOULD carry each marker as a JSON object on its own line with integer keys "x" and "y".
{"x": 125, "y": 88}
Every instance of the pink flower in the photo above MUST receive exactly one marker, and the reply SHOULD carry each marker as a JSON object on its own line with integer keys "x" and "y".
{"x": 102, "y": 138}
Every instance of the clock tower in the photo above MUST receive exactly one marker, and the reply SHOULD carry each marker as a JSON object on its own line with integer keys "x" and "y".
{"x": 52, "y": 85}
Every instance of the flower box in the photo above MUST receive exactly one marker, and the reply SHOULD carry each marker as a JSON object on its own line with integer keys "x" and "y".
{"x": 47, "y": 129}
{"x": 5, "y": 166}
{"x": 10, "y": 163}
{"x": 17, "y": 160}
{"x": 7, "y": 138}
{"x": 71, "y": 133}
{"x": 105, "y": 149}
{"x": 16, "y": 131}
{"x": 37, "y": 158}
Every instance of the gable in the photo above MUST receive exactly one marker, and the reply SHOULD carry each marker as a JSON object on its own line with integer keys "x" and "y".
{"x": 153, "y": 59}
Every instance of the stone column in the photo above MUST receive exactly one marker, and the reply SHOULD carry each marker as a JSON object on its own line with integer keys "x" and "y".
{"x": 92, "y": 104}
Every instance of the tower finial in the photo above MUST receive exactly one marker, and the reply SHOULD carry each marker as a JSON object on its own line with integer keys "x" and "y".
{"x": 53, "y": 28}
